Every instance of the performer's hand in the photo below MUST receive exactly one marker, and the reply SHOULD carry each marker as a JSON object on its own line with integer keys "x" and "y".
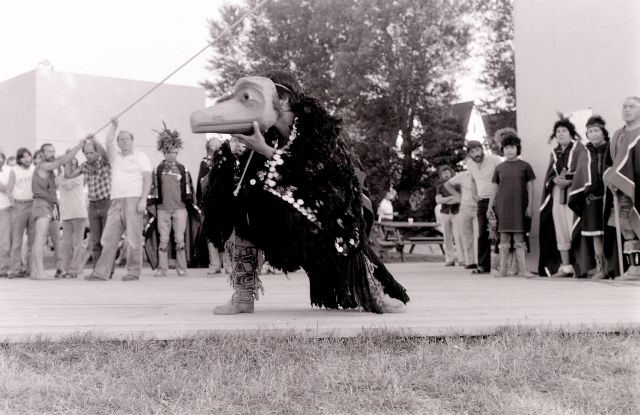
{"x": 114, "y": 122}
{"x": 528, "y": 211}
{"x": 561, "y": 182}
{"x": 142, "y": 205}
{"x": 255, "y": 141}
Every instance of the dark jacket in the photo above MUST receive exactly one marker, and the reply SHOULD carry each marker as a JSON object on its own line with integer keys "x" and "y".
{"x": 186, "y": 186}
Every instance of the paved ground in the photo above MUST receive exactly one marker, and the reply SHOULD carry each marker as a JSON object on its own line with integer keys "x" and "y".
{"x": 444, "y": 300}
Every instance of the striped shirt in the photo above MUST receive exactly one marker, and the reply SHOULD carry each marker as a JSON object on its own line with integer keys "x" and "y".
{"x": 97, "y": 177}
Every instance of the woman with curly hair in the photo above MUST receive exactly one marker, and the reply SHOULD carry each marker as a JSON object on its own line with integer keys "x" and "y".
{"x": 560, "y": 253}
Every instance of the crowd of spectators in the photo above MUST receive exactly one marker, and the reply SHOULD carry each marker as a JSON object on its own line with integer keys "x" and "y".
{"x": 588, "y": 213}
{"x": 106, "y": 201}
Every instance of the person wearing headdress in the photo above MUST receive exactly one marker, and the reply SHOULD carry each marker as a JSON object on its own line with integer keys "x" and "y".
{"x": 561, "y": 254}
{"x": 297, "y": 201}
{"x": 171, "y": 194}
{"x": 588, "y": 204}
{"x": 622, "y": 178}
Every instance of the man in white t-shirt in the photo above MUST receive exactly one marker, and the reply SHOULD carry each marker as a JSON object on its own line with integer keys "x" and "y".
{"x": 6, "y": 213}
{"x": 73, "y": 214}
{"x": 130, "y": 184}
{"x": 481, "y": 167}
{"x": 20, "y": 180}
{"x": 385, "y": 209}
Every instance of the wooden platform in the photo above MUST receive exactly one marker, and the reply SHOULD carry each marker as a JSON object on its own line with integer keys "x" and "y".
{"x": 444, "y": 300}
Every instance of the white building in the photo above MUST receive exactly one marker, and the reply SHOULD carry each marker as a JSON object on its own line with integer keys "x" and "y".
{"x": 46, "y": 106}
{"x": 572, "y": 56}
{"x": 470, "y": 120}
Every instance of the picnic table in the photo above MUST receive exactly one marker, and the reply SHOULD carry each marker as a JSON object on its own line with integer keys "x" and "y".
{"x": 396, "y": 234}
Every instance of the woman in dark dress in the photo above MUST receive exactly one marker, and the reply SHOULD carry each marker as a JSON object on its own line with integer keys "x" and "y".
{"x": 513, "y": 202}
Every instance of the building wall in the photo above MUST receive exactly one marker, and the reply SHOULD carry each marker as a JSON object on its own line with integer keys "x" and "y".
{"x": 70, "y": 106}
{"x": 17, "y": 113}
{"x": 572, "y": 55}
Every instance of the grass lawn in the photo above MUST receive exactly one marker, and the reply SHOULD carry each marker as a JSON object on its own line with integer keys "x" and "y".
{"x": 516, "y": 372}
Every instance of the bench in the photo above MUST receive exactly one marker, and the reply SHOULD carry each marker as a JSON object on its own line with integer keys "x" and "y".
{"x": 382, "y": 245}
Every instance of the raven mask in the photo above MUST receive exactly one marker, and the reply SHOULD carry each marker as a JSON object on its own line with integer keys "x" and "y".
{"x": 254, "y": 98}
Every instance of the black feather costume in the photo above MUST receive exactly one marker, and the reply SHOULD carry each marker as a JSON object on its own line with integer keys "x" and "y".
{"x": 303, "y": 209}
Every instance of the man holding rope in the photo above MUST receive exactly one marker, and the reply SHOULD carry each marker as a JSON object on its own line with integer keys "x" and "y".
{"x": 622, "y": 177}
{"x": 130, "y": 184}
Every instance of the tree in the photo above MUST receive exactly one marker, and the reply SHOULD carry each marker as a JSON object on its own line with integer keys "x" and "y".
{"x": 385, "y": 67}
{"x": 499, "y": 73}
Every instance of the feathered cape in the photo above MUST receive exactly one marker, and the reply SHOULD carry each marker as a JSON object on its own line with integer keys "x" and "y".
{"x": 304, "y": 209}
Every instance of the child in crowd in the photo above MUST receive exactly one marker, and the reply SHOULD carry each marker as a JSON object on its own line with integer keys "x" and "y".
{"x": 513, "y": 202}
{"x": 592, "y": 206}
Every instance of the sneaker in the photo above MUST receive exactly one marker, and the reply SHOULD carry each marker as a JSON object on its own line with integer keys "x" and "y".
{"x": 160, "y": 273}
{"x": 562, "y": 274}
{"x": 94, "y": 277}
{"x": 59, "y": 273}
{"x": 182, "y": 272}
{"x": 471, "y": 266}
{"x": 3, "y": 275}
{"x": 130, "y": 277}
{"x": 449, "y": 264}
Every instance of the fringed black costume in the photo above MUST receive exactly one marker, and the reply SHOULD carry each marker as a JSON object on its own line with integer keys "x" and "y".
{"x": 303, "y": 209}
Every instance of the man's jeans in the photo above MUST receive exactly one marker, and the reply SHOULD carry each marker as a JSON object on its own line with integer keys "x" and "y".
{"x": 98, "y": 212}
{"x": 168, "y": 218}
{"x": 22, "y": 221}
{"x": 468, "y": 226}
{"x": 6, "y": 216}
{"x": 72, "y": 237}
{"x": 176, "y": 218}
{"x": 123, "y": 216}
{"x": 452, "y": 239}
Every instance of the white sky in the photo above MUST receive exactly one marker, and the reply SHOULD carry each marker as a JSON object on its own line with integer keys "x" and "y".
{"x": 132, "y": 39}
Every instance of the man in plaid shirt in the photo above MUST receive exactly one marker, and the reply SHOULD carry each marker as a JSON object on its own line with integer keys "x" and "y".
{"x": 97, "y": 176}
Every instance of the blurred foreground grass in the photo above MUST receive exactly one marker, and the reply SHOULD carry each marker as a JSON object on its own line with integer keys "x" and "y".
{"x": 518, "y": 371}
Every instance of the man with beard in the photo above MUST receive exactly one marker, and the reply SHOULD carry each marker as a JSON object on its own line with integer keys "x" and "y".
{"x": 297, "y": 200}
{"x": 481, "y": 169}
{"x": 45, "y": 202}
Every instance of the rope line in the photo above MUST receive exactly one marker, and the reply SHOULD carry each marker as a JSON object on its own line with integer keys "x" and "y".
{"x": 220, "y": 36}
